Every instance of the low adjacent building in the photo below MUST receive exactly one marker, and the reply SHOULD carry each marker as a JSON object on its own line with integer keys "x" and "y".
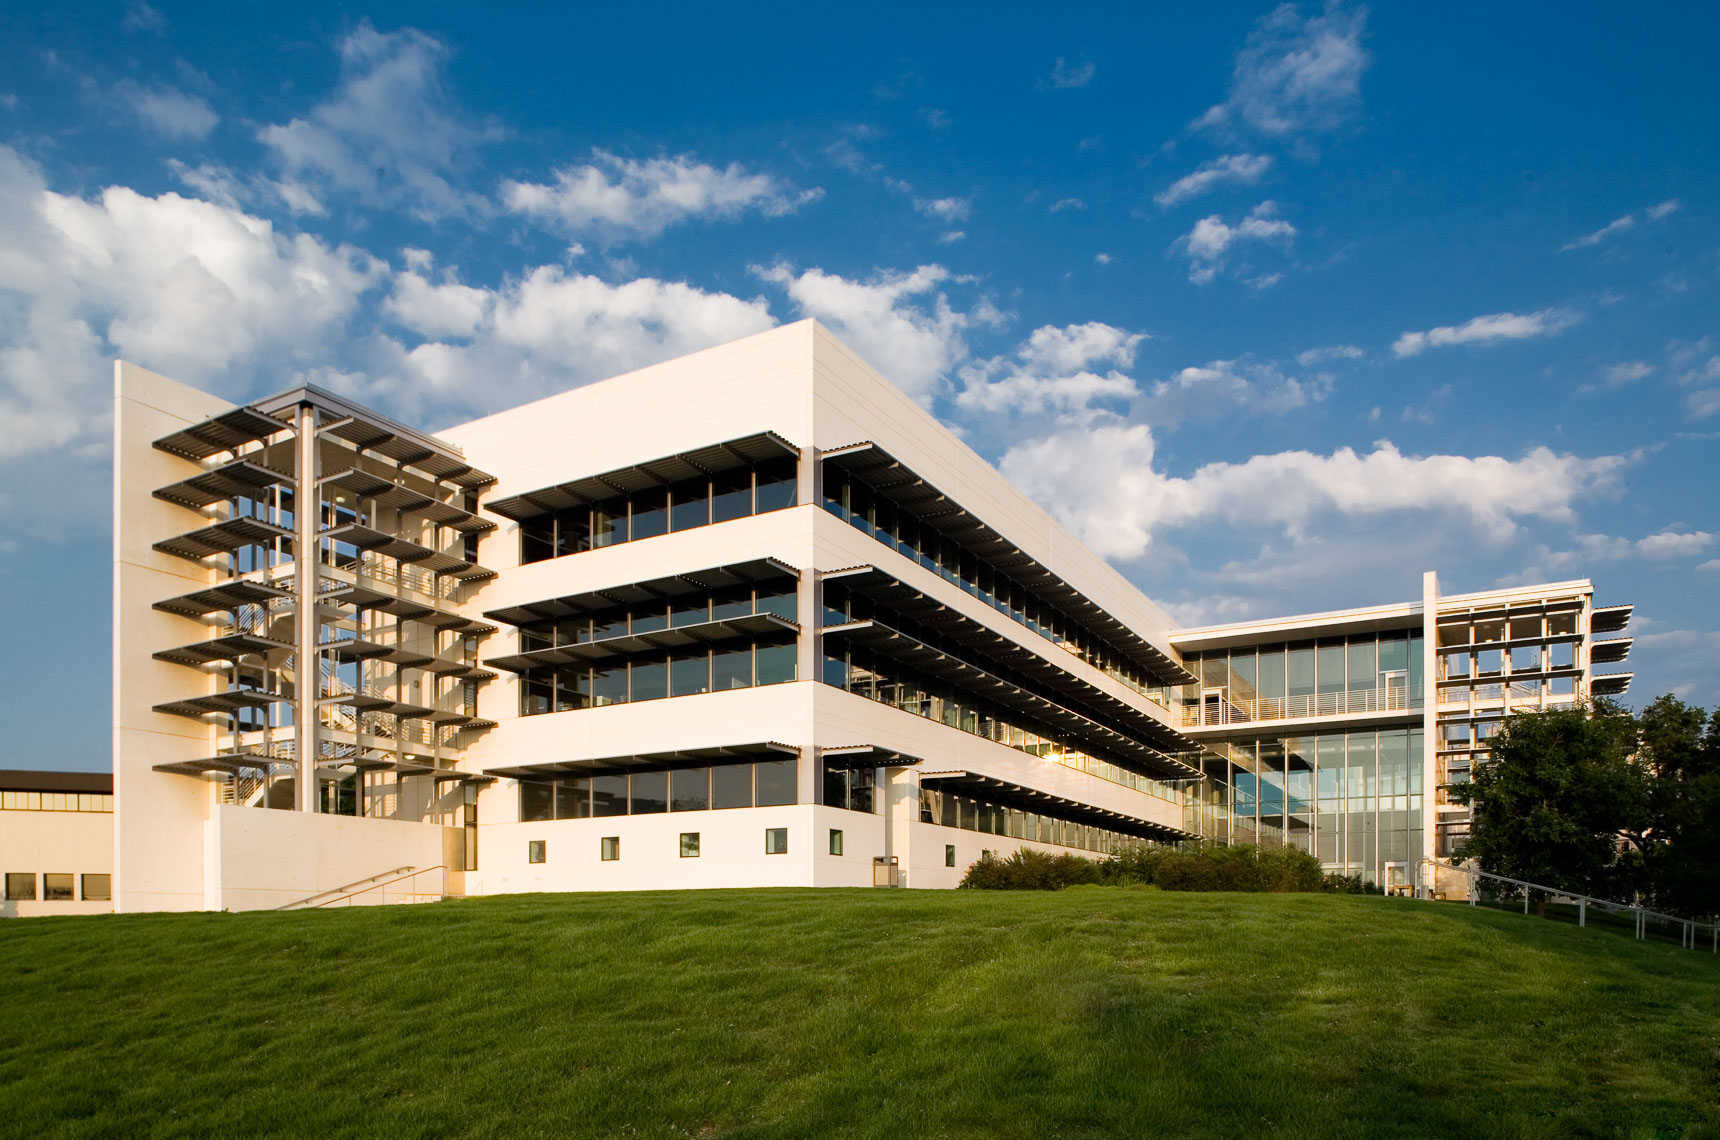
{"x": 56, "y": 843}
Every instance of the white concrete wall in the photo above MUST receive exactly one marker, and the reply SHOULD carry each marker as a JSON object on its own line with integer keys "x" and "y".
{"x": 267, "y": 859}
{"x": 159, "y": 819}
{"x": 78, "y": 843}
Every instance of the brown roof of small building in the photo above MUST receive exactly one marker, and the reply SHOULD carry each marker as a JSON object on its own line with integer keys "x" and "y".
{"x": 18, "y": 780}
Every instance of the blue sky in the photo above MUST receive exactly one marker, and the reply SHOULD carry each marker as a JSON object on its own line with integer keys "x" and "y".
{"x": 1276, "y": 307}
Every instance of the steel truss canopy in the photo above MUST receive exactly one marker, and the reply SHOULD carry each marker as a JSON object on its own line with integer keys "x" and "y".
{"x": 238, "y": 479}
{"x": 702, "y": 462}
{"x": 385, "y": 493}
{"x": 367, "y": 598}
{"x": 364, "y": 537}
{"x": 371, "y": 431}
{"x": 885, "y": 474}
{"x": 856, "y": 756}
{"x": 229, "y": 648}
{"x": 677, "y": 758}
{"x": 631, "y": 644}
{"x": 228, "y": 702}
{"x": 750, "y": 573}
{"x": 1610, "y": 652}
{"x": 228, "y": 431}
{"x": 1610, "y": 619}
{"x": 358, "y": 649}
{"x": 1610, "y": 684}
{"x": 896, "y": 596}
{"x": 223, "y": 538}
{"x": 993, "y": 790}
{"x": 231, "y": 763}
{"x": 1116, "y": 746}
{"x": 227, "y": 596}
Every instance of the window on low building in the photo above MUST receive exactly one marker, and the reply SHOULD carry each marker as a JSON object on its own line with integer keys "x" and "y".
{"x": 949, "y": 854}
{"x": 689, "y": 845}
{"x": 776, "y": 841}
{"x": 835, "y": 841}
{"x": 98, "y": 888}
{"x": 535, "y": 851}
{"x": 609, "y": 848}
{"x": 21, "y": 887}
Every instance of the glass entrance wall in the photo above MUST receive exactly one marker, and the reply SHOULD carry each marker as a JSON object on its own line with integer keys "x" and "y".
{"x": 1352, "y": 799}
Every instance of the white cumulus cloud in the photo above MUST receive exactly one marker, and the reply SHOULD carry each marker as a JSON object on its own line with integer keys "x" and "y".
{"x": 1209, "y": 244}
{"x": 167, "y": 110}
{"x": 1489, "y": 329}
{"x": 1063, "y": 370}
{"x": 623, "y": 197}
{"x": 1241, "y": 169}
{"x": 1296, "y": 74}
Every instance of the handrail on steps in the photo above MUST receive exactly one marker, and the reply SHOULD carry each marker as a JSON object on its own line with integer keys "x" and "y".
{"x": 367, "y": 884}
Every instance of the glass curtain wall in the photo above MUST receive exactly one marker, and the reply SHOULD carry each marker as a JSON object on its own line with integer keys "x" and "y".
{"x": 951, "y": 810}
{"x": 1363, "y": 673}
{"x": 1352, "y": 799}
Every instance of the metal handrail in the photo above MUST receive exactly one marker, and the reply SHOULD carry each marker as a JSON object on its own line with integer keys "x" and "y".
{"x": 1242, "y": 710}
{"x": 1689, "y": 927}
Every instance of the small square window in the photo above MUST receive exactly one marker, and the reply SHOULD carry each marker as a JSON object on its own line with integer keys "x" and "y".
{"x": 949, "y": 854}
{"x": 59, "y": 888}
{"x": 776, "y": 841}
{"x": 21, "y": 887}
{"x": 535, "y": 850}
{"x": 98, "y": 888}
{"x": 689, "y": 845}
{"x": 835, "y": 841}
{"x": 610, "y": 848}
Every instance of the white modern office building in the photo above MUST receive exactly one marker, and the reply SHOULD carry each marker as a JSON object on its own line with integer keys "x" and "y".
{"x": 750, "y": 617}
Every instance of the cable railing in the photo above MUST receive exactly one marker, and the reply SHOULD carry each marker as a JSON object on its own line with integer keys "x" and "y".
{"x": 1218, "y": 709}
{"x": 1487, "y": 887}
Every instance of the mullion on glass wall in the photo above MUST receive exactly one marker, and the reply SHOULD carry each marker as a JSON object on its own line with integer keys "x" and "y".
{"x": 762, "y": 783}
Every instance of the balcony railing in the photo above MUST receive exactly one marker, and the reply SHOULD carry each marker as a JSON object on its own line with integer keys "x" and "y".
{"x": 1234, "y": 710}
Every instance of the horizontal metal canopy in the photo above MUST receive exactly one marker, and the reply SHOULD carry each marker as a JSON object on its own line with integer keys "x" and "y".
{"x": 383, "y": 762}
{"x": 370, "y": 702}
{"x": 677, "y": 758}
{"x": 704, "y": 461}
{"x": 881, "y": 471}
{"x": 632, "y": 644}
{"x": 225, "y": 432}
{"x": 855, "y": 756}
{"x": 358, "y": 649}
{"x": 750, "y": 573}
{"x": 1610, "y": 619}
{"x": 1120, "y": 748}
{"x": 1610, "y": 652}
{"x": 895, "y": 596}
{"x": 229, "y": 648}
{"x": 1610, "y": 684}
{"x": 223, "y": 538}
{"x": 230, "y": 762}
{"x": 241, "y": 478}
{"x": 230, "y": 701}
{"x": 227, "y": 596}
{"x": 442, "y": 667}
{"x": 369, "y": 538}
{"x": 993, "y": 790}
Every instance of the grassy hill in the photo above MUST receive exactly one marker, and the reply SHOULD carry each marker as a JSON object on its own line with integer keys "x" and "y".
{"x": 1093, "y": 1012}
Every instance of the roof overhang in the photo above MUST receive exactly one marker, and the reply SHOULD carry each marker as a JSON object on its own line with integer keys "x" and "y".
{"x": 704, "y": 461}
{"x": 888, "y": 476}
{"x": 674, "y": 758}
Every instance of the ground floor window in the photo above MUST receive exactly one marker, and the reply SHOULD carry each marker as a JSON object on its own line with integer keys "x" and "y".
{"x": 951, "y": 810}
{"x": 59, "y": 888}
{"x": 609, "y": 848}
{"x": 21, "y": 887}
{"x": 776, "y": 841}
{"x": 835, "y": 841}
{"x": 949, "y": 854}
{"x": 689, "y": 845}
{"x": 535, "y": 851}
{"x": 98, "y": 888}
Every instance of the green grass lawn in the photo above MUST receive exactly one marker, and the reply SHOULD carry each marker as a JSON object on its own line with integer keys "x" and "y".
{"x": 1092, "y": 1012}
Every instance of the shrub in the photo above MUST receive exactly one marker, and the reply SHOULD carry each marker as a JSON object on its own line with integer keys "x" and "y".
{"x": 1029, "y": 870}
{"x": 1201, "y": 868}
{"x": 1349, "y": 885}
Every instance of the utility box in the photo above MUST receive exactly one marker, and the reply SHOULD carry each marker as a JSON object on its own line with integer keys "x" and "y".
{"x": 885, "y": 872}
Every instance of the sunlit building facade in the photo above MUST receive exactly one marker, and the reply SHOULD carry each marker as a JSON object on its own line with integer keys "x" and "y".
{"x": 750, "y": 617}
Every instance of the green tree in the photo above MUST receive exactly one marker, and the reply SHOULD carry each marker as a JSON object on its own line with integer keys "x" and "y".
{"x": 1561, "y": 801}
{"x": 1683, "y": 761}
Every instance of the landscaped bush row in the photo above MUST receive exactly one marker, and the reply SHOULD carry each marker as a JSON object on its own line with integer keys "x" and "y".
{"x": 1194, "y": 868}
